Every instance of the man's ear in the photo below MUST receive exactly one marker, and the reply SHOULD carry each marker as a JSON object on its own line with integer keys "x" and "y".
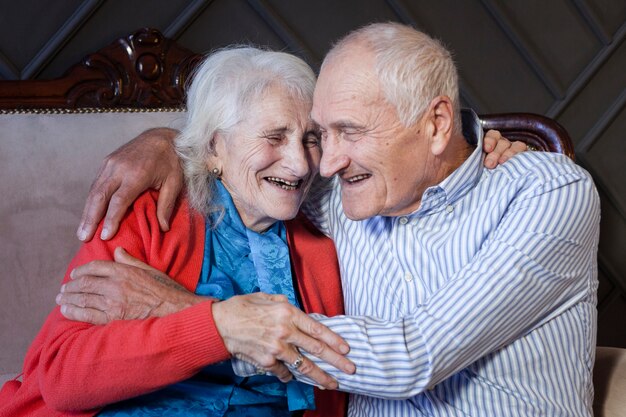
{"x": 441, "y": 121}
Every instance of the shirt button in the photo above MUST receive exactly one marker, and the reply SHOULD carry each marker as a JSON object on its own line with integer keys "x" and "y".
{"x": 449, "y": 209}
{"x": 408, "y": 277}
{"x": 403, "y": 220}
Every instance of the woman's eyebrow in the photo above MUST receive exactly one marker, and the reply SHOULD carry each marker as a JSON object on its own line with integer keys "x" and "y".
{"x": 275, "y": 130}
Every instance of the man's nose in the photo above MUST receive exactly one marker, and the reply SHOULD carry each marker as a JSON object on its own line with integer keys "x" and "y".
{"x": 334, "y": 158}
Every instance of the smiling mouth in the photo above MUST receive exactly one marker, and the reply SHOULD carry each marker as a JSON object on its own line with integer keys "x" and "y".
{"x": 357, "y": 178}
{"x": 284, "y": 184}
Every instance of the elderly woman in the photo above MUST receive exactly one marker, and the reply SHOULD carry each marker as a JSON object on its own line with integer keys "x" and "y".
{"x": 250, "y": 155}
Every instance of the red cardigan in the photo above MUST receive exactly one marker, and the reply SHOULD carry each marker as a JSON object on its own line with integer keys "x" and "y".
{"x": 74, "y": 368}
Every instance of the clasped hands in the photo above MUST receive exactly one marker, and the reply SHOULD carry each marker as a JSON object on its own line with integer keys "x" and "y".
{"x": 259, "y": 328}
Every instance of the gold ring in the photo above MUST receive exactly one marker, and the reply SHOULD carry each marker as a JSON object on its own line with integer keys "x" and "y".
{"x": 298, "y": 362}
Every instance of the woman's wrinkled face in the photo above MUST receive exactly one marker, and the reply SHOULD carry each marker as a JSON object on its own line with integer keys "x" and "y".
{"x": 269, "y": 160}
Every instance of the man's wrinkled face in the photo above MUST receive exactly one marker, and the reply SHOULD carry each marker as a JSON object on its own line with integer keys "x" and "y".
{"x": 381, "y": 164}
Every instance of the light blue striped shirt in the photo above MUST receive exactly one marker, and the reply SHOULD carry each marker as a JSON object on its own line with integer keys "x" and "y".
{"x": 480, "y": 303}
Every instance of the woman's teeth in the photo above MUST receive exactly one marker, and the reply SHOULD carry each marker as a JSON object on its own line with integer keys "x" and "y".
{"x": 284, "y": 184}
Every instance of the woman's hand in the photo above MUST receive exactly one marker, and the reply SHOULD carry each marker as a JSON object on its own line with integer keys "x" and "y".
{"x": 499, "y": 149}
{"x": 148, "y": 161}
{"x": 267, "y": 331}
{"x": 103, "y": 291}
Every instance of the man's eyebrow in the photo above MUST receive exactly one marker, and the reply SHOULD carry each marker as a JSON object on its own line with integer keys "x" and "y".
{"x": 346, "y": 124}
{"x": 340, "y": 124}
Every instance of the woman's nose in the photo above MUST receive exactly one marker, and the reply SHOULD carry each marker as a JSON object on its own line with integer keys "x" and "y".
{"x": 296, "y": 161}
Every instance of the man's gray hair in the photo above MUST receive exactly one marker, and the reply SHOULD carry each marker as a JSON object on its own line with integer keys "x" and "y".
{"x": 223, "y": 86}
{"x": 412, "y": 68}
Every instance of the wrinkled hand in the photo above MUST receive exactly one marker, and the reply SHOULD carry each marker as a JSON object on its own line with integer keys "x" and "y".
{"x": 265, "y": 330}
{"x": 499, "y": 149}
{"x": 103, "y": 291}
{"x": 148, "y": 161}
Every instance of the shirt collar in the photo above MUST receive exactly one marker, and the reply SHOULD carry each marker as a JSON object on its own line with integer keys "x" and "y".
{"x": 462, "y": 179}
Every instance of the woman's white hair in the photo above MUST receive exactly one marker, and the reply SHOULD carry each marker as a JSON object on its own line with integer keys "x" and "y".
{"x": 412, "y": 68}
{"x": 222, "y": 87}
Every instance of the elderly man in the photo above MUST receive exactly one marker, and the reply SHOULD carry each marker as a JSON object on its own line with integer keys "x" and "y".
{"x": 467, "y": 291}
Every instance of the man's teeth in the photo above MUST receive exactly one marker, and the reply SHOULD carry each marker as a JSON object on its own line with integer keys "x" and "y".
{"x": 284, "y": 184}
{"x": 357, "y": 178}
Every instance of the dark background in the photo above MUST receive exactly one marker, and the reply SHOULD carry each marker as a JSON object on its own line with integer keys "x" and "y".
{"x": 565, "y": 59}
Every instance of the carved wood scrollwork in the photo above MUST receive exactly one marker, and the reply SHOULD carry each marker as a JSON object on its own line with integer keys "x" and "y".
{"x": 142, "y": 70}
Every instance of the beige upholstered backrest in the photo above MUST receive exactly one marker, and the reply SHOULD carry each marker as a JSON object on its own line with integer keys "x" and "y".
{"x": 609, "y": 380}
{"x": 47, "y": 163}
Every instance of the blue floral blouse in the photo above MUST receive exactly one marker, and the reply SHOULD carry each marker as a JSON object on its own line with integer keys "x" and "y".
{"x": 236, "y": 261}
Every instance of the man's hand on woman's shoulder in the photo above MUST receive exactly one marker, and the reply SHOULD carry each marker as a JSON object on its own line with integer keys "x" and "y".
{"x": 147, "y": 161}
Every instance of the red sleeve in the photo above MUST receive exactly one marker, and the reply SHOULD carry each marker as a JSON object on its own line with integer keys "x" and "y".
{"x": 78, "y": 366}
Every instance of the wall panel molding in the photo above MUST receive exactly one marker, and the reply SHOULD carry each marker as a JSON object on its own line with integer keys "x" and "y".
{"x": 186, "y": 18}
{"x": 533, "y": 60}
{"x": 60, "y": 38}
{"x": 592, "y": 20}
{"x": 8, "y": 71}
{"x": 609, "y": 115}
{"x": 294, "y": 42}
{"x": 587, "y": 74}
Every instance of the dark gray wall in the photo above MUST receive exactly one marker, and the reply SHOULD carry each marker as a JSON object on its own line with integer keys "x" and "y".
{"x": 562, "y": 58}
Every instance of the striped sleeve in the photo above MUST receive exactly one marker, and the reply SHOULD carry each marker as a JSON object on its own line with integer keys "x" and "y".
{"x": 532, "y": 267}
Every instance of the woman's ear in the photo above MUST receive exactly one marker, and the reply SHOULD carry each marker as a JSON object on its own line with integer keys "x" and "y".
{"x": 441, "y": 122}
{"x": 213, "y": 148}
{"x": 212, "y": 145}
